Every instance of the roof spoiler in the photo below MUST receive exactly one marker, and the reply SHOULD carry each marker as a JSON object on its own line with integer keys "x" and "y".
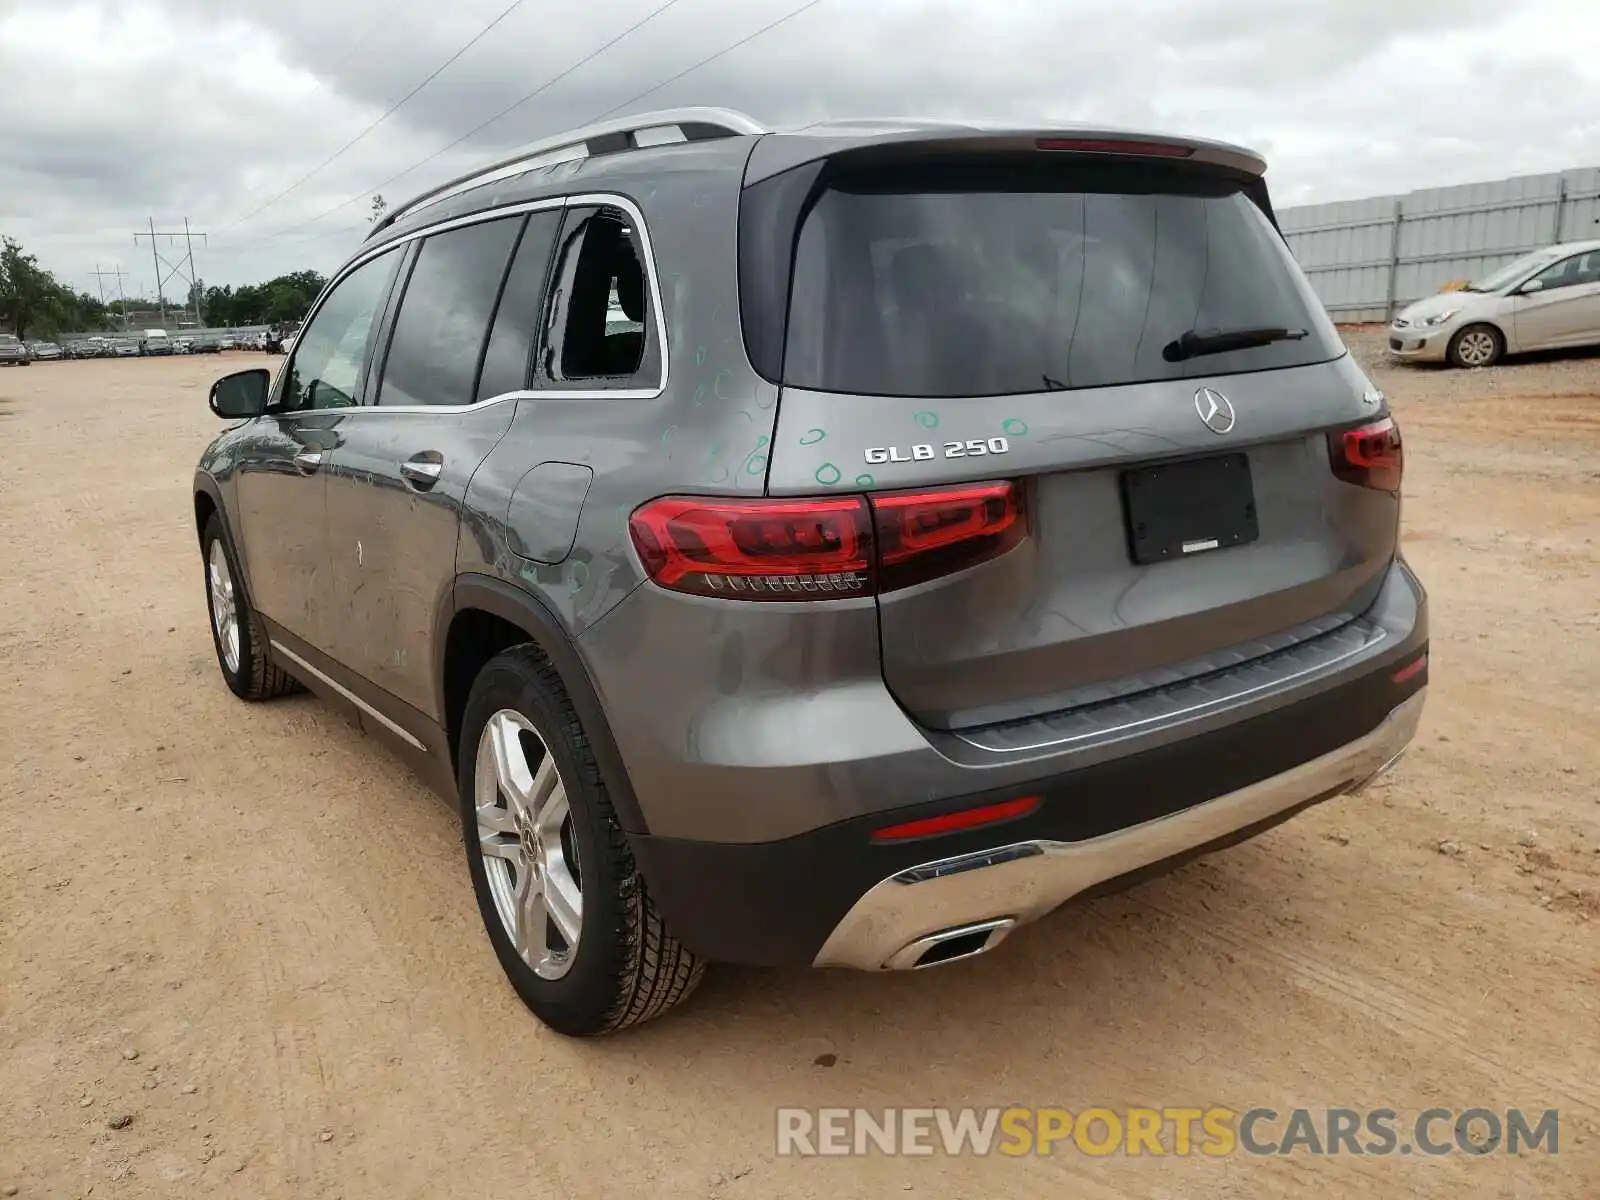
{"x": 786, "y": 150}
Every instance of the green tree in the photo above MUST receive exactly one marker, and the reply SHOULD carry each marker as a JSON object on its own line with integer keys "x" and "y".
{"x": 25, "y": 289}
{"x": 219, "y": 306}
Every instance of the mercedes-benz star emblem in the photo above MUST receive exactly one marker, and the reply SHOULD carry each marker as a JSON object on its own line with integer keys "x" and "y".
{"x": 1214, "y": 409}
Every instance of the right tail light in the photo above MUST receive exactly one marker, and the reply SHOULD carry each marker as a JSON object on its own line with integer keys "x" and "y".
{"x": 1369, "y": 456}
{"x": 834, "y": 548}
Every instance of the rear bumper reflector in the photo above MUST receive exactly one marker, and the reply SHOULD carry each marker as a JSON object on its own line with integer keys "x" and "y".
{"x": 1412, "y": 669}
{"x": 966, "y": 818}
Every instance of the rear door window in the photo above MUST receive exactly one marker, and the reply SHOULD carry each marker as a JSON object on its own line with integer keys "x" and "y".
{"x": 509, "y": 358}
{"x": 996, "y": 280}
{"x": 443, "y": 322}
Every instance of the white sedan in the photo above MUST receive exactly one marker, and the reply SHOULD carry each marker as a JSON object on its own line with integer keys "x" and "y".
{"x": 1546, "y": 300}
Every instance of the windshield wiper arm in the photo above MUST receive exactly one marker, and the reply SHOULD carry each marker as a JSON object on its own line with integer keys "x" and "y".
{"x": 1192, "y": 343}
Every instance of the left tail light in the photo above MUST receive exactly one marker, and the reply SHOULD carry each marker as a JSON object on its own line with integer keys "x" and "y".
{"x": 1371, "y": 455}
{"x": 824, "y": 549}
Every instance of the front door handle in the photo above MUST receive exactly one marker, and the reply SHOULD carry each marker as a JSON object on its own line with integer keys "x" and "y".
{"x": 422, "y": 471}
{"x": 308, "y": 461}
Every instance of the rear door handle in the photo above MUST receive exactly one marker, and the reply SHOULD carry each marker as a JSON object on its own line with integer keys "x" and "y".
{"x": 308, "y": 461}
{"x": 421, "y": 471}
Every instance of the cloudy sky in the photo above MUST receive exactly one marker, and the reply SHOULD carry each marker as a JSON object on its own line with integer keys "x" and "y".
{"x": 111, "y": 113}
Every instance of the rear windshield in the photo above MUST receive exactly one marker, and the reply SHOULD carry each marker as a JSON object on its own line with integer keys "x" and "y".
{"x": 983, "y": 281}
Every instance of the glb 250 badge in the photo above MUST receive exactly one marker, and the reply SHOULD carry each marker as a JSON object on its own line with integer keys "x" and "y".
{"x": 922, "y": 451}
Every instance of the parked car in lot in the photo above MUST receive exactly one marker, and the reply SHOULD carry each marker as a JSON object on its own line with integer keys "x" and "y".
{"x": 126, "y": 348}
{"x": 990, "y": 517}
{"x": 12, "y": 352}
{"x": 155, "y": 342}
{"x": 226, "y": 343}
{"x": 1546, "y": 300}
{"x": 45, "y": 351}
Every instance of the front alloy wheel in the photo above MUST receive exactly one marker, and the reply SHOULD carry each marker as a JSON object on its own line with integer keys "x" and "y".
{"x": 1476, "y": 346}
{"x": 236, "y": 631}
{"x": 224, "y": 606}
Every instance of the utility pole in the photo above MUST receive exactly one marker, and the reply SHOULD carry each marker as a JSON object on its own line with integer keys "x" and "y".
{"x": 183, "y": 268}
{"x": 194, "y": 289}
{"x": 100, "y": 278}
{"x": 161, "y": 299}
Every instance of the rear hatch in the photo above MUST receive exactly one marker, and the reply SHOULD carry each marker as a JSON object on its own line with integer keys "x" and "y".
{"x": 1118, "y": 341}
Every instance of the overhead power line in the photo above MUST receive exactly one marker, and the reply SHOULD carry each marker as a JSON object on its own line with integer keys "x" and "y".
{"x": 384, "y": 18}
{"x": 553, "y": 80}
{"x": 708, "y": 59}
{"x": 504, "y": 112}
{"x": 389, "y": 112}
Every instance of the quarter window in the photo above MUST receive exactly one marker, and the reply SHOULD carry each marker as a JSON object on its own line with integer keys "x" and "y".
{"x": 599, "y": 324}
{"x": 443, "y": 323}
{"x": 329, "y": 360}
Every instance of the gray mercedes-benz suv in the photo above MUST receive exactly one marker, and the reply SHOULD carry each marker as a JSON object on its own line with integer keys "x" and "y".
{"x": 837, "y": 547}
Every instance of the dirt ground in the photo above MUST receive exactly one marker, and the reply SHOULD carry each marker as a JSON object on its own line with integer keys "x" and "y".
{"x": 251, "y": 932}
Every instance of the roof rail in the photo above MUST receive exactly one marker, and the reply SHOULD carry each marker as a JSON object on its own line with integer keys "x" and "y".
{"x": 603, "y": 137}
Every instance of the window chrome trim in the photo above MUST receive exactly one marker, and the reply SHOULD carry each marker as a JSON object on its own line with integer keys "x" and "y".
{"x": 652, "y": 281}
{"x": 279, "y": 648}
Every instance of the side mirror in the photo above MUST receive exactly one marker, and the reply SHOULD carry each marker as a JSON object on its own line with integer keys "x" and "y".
{"x": 242, "y": 394}
{"x": 1533, "y": 285}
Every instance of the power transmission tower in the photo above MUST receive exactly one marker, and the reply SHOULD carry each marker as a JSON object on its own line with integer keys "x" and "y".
{"x": 183, "y": 268}
{"x": 100, "y": 278}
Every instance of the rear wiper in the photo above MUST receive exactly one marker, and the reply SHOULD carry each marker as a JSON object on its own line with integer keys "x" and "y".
{"x": 1192, "y": 343}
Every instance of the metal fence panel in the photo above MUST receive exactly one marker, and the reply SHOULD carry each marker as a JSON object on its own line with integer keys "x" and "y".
{"x": 1368, "y": 258}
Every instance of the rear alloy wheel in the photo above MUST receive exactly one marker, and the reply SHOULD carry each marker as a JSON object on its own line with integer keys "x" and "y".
{"x": 565, "y": 908}
{"x": 530, "y": 856}
{"x": 236, "y": 631}
{"x": 1476, "y": 346}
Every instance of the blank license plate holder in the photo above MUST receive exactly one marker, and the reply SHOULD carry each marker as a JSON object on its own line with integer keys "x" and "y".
{"x": 1180, "y": 509}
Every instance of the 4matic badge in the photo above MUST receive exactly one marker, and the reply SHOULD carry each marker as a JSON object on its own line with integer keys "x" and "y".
{"x": 922, "y": 451}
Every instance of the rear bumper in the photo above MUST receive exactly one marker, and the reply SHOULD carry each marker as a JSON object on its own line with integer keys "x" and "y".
{"x": 967, "y": 904}
{"x": 832, "y": 896}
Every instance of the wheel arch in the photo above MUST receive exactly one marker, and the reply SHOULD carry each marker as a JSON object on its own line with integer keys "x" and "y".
{"x": 488, "y": 616}
{"x": 208, "y": 503}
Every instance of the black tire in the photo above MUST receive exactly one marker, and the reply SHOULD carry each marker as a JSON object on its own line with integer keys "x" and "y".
{"x": 627, "y": 967}
{"x": 1496, "y": 346}
{"x": 255, "y": 677}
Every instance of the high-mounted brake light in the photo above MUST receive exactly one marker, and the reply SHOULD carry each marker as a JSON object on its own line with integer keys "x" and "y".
{"x": 829, "y": 548}
{"x": 1115, "y": 146}
{"x": 1371, "y": 456}
{"x": 965, "y": 818}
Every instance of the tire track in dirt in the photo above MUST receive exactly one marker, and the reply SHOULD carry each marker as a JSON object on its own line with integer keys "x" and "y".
{"x": 1369, "y": 987}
